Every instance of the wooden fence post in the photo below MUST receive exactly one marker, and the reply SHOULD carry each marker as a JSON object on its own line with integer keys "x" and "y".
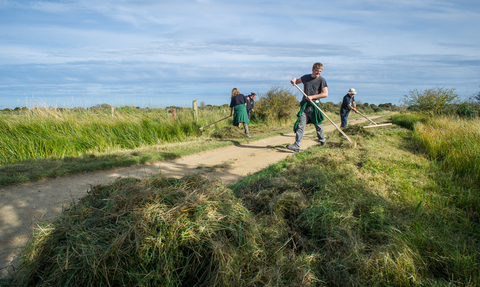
{"x": 195, "y": 110}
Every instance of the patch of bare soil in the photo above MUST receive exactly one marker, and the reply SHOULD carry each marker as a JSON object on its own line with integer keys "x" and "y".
{"x": 24, "y": 206}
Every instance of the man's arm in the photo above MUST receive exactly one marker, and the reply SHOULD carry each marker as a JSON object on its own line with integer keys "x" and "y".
{"x": 322, "y": 95}
{"x": 296, "y": 81}
{"x": 353, "y": 107}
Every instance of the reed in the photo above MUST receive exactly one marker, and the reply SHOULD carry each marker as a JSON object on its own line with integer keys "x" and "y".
{"x": 41, "y": 133}
{"x": 454, "y": 143}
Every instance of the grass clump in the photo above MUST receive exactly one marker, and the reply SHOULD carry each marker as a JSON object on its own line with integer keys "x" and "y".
{"x": 408, "y": 120}
{"x": 156, "y": 232}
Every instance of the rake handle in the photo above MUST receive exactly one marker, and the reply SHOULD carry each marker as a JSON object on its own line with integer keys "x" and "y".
{"x": 214, "y": 122}
{"x": 367, "y": 118}
{"x": 325, "y": 115}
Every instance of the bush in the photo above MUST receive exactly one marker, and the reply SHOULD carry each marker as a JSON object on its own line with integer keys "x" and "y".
{"x": 466, "y": 110}
{"x": 330, "y": 107}
{"x": 431, "y": 100}
{"x": 277, "y": 104}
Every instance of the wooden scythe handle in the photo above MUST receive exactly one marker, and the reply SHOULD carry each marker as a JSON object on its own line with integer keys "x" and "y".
{"x": 214, "y": 122}
{"x": 368, "y": 119}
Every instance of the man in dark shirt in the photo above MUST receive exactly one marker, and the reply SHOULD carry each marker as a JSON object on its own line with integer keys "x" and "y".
{"x": 348, "y": 104}
{"x": 250, "y": 103}
{"x": 315, "y": 87}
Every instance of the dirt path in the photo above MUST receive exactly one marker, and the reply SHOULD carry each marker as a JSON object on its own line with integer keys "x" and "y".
{"x": 23, "y": 206}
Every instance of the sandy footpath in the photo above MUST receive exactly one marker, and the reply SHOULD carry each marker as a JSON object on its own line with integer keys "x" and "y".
{"x": 23, "y": 206}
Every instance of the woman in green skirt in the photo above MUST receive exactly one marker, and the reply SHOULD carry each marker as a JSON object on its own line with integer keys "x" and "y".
{"x": 238, "y": 109}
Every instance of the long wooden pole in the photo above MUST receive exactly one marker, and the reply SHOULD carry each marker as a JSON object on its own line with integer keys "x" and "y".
{"x": 367, "y": 118}
{"x": 214, "y": 122}
{"x": 325, "y": 115}
{"x": 374, "y": 123}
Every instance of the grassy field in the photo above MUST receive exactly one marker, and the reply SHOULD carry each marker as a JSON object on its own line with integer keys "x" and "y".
{"x": 42, "y": 133}
{"x": 387, "y": 213}
{"x": 39, "y": 143}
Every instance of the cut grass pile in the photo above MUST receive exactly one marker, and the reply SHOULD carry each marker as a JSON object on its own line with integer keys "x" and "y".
{"x": 234, "y": 132}
{"x": 155, "y": 232}
{"x": 382, "y": 214}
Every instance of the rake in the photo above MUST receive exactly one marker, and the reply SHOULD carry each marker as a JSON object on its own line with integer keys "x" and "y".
{"x": 374, "y": 124}
{"x": 325, "y": 115}
{"x": 214, "y": 123}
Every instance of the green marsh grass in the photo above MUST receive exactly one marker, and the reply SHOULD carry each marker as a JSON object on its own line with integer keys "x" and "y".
{"x": 39, "y": 143}
{"x": 453, "y": 142}
{"x": 42, "y": 133}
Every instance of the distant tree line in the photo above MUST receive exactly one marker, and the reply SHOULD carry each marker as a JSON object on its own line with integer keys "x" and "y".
{"x": 279, "y": 103}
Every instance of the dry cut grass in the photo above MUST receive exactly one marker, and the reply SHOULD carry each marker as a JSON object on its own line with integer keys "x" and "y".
{"x": 155, "y": 232}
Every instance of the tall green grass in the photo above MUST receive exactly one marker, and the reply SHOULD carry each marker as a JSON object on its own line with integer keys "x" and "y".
{"x": 50, "y": 133}
{"x": 451, "y": 141}
{"x": 454, "y": 142}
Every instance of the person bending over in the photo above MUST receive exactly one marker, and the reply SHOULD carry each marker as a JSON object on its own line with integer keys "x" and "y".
{"x": 238, "y": 109}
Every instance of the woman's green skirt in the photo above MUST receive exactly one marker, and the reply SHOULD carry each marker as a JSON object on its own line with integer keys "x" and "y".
{"x": 240, "y": 115}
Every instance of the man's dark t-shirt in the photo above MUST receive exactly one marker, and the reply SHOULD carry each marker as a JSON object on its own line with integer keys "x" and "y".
{"x": 347, "y": 100}
{"x": 250, "y": 104}
{"x": 312, "y": 86}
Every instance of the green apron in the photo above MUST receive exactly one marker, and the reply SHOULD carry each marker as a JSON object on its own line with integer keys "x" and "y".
{"x": 316, "y": 119}
{"x": 240, "y": 115}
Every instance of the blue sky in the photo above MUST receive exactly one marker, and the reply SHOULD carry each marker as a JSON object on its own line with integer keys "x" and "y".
{"x": 164, "y": 53}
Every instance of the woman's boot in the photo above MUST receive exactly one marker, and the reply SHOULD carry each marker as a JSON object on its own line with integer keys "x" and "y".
{"x": 245, "y": 126}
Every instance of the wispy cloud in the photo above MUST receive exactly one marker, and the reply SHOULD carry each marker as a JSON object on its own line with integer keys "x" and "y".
{"x": 160, "y": 48}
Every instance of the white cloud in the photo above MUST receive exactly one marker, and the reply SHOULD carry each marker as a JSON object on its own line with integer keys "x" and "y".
{"x": 146, "y": 45}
